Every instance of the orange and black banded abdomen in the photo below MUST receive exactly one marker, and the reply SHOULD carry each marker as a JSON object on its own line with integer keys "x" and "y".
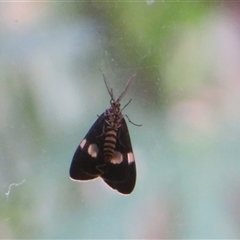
{"x": 110, "y": 143}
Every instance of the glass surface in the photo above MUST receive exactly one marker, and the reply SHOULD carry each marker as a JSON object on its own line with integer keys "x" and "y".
{"x": 186, "y": 57}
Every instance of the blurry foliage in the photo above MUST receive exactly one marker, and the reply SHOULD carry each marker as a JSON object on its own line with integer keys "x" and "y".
{"x": 174, "y": 151}
{"x": 140, "y": 37}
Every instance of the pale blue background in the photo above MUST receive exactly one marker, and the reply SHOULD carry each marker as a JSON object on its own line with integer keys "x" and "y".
{"x": 186, "y": 56}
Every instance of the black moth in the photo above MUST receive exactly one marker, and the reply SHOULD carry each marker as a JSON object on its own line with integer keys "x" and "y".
{"x": 106, "y": 150}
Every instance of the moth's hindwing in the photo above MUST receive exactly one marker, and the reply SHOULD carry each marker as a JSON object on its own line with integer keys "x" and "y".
{"x": 120, "y": 172}
{"x": 89, "y": 153}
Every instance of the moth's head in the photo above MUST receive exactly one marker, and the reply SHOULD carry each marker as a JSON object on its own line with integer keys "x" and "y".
{"x": 114, "y": 104}
{"x": 110, "y": 91}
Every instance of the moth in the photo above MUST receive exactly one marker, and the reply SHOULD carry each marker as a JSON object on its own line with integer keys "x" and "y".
{"x": 106, "y": 150}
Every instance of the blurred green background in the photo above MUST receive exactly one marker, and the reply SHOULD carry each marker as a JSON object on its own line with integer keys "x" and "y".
{"x": 186, "y": 95}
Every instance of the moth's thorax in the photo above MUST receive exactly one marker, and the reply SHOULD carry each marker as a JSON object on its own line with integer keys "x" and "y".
{"x": 114, "y": 116}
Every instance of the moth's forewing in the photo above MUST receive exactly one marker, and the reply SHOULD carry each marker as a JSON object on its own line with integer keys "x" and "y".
{"x": 89, "y": 153}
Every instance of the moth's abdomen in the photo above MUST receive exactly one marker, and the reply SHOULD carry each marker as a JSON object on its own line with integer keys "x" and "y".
{"x": 110, "y": 143}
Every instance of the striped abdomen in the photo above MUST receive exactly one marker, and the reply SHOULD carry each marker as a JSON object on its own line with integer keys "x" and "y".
{"x": 110, "y": 143}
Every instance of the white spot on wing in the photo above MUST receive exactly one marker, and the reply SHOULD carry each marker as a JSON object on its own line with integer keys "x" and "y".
{"x": 117, "y": 158}
{"x": 130, "y": 157}
{"x": 93, "y": 150}
{"x": 82, "y": 144}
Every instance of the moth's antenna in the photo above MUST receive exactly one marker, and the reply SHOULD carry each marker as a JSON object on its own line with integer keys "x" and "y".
{"x": 110, "y": 91}
{"x": 126, "y": 88}
{"x": 126, "y": 104}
